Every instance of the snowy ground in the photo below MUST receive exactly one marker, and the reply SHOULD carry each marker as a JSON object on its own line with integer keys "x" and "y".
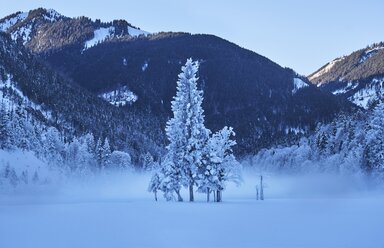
{"x": 116, "y": 211}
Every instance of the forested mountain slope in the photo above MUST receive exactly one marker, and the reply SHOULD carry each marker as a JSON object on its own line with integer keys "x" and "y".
{"x": 137, "y": 72}
{"x": 70, "y": 108}
{"x": 358, "y": 77}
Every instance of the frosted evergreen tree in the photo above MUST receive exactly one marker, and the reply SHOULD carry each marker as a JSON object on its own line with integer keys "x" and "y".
{"x": 99, "y": 152}
{"x": 120, "y": 160}
{"x": 18, "y": 131}
{"x": 186, "y": 131}
{"x": 79, "y": 160}
{"x": 35, "y": 178}
{"x": 322, "y": 142}
{"x": 53, "y": 146}
{"x": 31, "y": 136}
{"x": 4, "y": 128}
{"x": 87, "y": 154}
{"x": 154, "y": 184}
{"x": 148, "y": 162}
{"x": 220, "y": 164}
{"x": 374, "y": 149}
{"x": 89, "y": 140}
{"x": 10, "y": 175}
{"x": 24, "y": 177}
{"x": 6, "y": 170}
{"x": 73, "y": 154}
{"x": 105, "y": 154}
{"x": 24, "y": 134}
{"x": 170, "y": 177}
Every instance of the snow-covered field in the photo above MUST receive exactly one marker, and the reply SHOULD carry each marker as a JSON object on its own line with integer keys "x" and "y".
{"x": 117, "y": 211}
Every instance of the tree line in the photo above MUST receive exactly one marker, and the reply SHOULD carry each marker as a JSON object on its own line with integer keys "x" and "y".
{"x": 80, "y": 156}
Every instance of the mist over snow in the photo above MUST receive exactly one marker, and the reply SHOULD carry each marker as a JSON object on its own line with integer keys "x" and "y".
{"x": 133, "y": 186}
{"x": 115, "y": 209}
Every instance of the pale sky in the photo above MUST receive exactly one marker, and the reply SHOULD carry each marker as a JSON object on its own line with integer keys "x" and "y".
{"x": 301, "y": 34}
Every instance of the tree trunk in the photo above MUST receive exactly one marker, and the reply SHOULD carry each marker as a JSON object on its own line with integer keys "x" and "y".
{"x": 214, "y": 196}
{"x": 257, "y": 193}
{"x": 261, "y": 188}
{"x": 191, "y": 198}
{"x": 218, "y": 197}
{"x": 179, "y": 198}
{"x": 155, "y": 195}
{"x": 208, "y": 193}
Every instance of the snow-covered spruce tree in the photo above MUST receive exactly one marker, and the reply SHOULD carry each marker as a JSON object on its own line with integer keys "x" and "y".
{"x": 322, "y": 143}
{"x": 106, "y": 154}
{"x": 24, "y": 177}
{"x": 88, "y": 150}
{"x": 53, "y": 146}
{"x": 89, "y": 140}
{"x": 35, "y": 178}
{"x": 154, "y": 184}
{"x": 73, "y": 155}
{"x": 10, "y": 175}
{"x": 78, "y": 158}
{"x": 99, "y": 152}
{"x": 4, "y": 128}
{"x": 220, "y": 164}
{"x": 170, "y": 177}
{"x": 103, "y": 153}
{"x": 186, "y": 132}
{"x": 148, "y": 163}
{"x": 373, "y": 157}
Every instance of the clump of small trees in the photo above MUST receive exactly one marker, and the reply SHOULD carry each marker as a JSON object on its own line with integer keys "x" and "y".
{"x": 195, "y": 157}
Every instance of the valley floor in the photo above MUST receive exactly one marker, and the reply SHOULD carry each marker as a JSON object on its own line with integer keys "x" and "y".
{"x": 103, "y": 217}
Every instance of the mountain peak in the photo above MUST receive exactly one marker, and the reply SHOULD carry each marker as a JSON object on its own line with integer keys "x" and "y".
{"x": 32, "y": 29}
{"x": 362, "y": 63}
{"x": 48, "y": 14}
{"x": 359, "y": 76}
{"x": 21, "y": 24}
{"x": 15, "y": 20}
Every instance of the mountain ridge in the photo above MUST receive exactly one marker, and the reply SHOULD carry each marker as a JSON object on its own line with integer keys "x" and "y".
{"x": 31, "y": 29}
{"x": 264, "y": 102}
{"x": 357, "y": 77}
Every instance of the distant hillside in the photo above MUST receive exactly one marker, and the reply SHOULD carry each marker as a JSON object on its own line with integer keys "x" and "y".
{"x": 44, "y": 31}
{"x": 358, "y": 77}
{"x": 71, "y": 109}
{"x": 137, "y": 72}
